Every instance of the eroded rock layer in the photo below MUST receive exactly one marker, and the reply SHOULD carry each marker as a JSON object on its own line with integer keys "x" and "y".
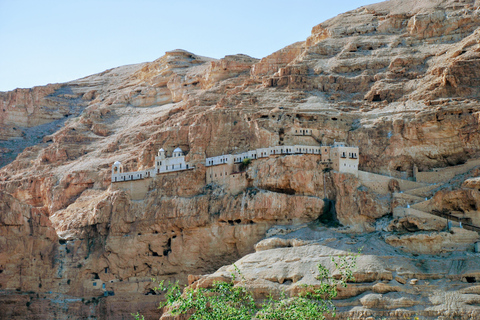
{"x": 399, "y": 79}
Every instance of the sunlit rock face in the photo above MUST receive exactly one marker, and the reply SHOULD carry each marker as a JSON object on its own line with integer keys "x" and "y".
{"x": 398, "y": 79}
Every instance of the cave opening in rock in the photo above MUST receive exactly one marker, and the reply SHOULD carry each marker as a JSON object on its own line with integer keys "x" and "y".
{"x": 471, "y": 279}
{"x": 168, "y": 248}
{"x": 150, "y": 292}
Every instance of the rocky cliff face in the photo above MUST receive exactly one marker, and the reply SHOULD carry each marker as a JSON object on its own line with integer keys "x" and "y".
{"x": 398, "y": 79}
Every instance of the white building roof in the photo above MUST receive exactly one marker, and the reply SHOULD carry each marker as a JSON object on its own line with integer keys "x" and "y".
{"x": 117, "y": 163}
{"x": 177, "y": 150}
{"x": 161, "y": 150}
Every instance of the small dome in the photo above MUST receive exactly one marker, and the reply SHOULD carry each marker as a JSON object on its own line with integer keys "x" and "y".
{"x": 117, "y": 163}
{"x": 178, "y": 150}
{"x": 161, "y": 150}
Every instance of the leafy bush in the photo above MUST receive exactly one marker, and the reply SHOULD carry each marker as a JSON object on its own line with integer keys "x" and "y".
{"x": 245, "y": 163}
{"x": 229, "y": 301}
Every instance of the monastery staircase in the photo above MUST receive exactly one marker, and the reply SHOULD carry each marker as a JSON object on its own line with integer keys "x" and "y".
{"x": 416, "y": 203}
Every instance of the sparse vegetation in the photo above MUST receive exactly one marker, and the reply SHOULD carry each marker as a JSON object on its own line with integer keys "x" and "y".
{"x": 232, "y": 300}
{"x": 245, "y": 163}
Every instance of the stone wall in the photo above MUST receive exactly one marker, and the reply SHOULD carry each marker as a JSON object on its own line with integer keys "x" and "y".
{"x": 379, "y": 183}
{"x": 137, "y": 188}
{"x": 444, "y": 174}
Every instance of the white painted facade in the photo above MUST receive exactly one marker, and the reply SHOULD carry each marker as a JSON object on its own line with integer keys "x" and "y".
{"x": 343, "y": 158}
{"x": 168, "y": 164}
{"x": 163, "y": 164}
{"x": 264, "y": 153}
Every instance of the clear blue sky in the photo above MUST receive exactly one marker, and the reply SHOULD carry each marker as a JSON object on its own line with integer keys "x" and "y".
{"x": 56, "y": 41}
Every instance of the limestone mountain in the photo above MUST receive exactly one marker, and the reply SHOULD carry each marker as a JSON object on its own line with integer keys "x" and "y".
{"x": 398, "y": 79}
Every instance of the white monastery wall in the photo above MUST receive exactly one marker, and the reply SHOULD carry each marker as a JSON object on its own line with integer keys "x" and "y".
{"x": 344, "y": 158}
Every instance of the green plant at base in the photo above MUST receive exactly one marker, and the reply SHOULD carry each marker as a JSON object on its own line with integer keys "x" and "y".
{"x": 223, "y": 301}
{"x": 230, "y": 301}
{"x": 138, "y": 316}
{"x": 313, "y": 302}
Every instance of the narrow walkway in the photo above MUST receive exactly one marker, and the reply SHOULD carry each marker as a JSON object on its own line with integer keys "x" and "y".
{"x": 419, "y": 208}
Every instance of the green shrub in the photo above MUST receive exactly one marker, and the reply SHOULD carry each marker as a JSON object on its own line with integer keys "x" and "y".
{"x": 245, "y": 163}
{"x": 229, "y": 301}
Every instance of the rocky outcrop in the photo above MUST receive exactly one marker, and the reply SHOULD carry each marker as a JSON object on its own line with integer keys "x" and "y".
{"x": 398, "y": 79}
{"x": 387, "y": 282}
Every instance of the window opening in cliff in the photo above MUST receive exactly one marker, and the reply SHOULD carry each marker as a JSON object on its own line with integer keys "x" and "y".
{"x": 376, "y": 98}
{"x": 106, "y": 270}
{"x": 470, "y": 279}
{"x": 334, "y": 119}
{"x": 94, "y": 284}
{"x": 95, "y": 276}
{"x": 62, "y": 241}
{"x": 168, "y": 248}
